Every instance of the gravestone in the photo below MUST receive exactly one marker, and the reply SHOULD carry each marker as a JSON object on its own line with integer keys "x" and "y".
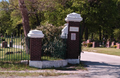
{"x": 88, "y": 41}
{"x": 108, "y": 44}
{"x": 95, "y": 44}
{"x": 113, "y": 43}
{"x": 118, "y": 45}
{"x": 4, "y": 44}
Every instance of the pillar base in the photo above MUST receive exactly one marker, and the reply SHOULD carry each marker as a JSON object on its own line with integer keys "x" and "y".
{"x": 48, "y": 64}
{"x": 73, "y": 61}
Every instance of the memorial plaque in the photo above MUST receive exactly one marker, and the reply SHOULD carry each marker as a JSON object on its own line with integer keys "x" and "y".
{"x": 73, "y": 36}
{"x": 74, "y": 29}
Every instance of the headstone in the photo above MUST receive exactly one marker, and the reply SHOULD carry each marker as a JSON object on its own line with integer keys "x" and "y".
{"x": 4, "y": 44}
{"x": 118, "y": 45}
{"x": 84, "y": 43}
{"x": 95, "y": 44}
{"x": 113, "y": 43}
{"x": 88, "y": 41}
{"x": 108, "y": 44}
{"x": 11, "y": 43}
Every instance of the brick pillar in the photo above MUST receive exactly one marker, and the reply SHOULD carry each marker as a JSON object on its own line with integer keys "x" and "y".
{"x": 35, "y": 44}
{"x": 73, "y": 40}
{"x": 35, "y": 49}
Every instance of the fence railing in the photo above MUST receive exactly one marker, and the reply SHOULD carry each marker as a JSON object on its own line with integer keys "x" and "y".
{"x": 12, "y": 49}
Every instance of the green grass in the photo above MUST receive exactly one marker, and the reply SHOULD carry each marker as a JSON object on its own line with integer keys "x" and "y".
{"x": 18, "y": 66}
{"x": 15, "y": 56}
{"x": 110, "y": 51}
{"x": 19, "y": 56}
{"x": 36, "y": 74}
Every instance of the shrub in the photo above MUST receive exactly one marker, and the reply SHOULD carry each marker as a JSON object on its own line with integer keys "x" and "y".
{"x": 55, "y": 49}
{"x": 84, "y": 44}
{"x": 89, "y": 44}
{"x": 115, "y": 46}
{"x": 52, "y": 44}
{"x": 50, "y": 32}
{"x": 3, "y": 39}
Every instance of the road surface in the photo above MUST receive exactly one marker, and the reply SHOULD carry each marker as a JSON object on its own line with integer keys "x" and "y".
{"x": 98, "y": 65}
{"x": 101, "y": 65}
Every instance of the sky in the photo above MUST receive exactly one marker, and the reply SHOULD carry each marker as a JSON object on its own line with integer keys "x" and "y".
{"x": 6, "y": 0}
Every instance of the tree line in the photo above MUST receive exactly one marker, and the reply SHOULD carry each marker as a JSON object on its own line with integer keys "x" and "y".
{"x": 100, "y": 17}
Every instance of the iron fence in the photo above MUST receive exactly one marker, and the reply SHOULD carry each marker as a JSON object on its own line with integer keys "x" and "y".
{"x": 12, "y": 48}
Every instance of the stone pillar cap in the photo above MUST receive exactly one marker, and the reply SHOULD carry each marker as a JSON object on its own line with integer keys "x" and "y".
{"x": 74, "y": 17}
{"x": 35, "y": 34}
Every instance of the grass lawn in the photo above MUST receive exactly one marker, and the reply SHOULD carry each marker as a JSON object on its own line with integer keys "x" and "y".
{"x": 30, "y": 74}
{"x": 110, "y": 51}
{"x": 15, "y": 54}
{"x": 18, "y": 66}
{"x": 19, "y": 56}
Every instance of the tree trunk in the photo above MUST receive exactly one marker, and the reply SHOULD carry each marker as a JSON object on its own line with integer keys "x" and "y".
{"x": 92, "y": 36}
{"x": 38, "y": 21}
{"x": 100, "y": 34}
{"x": 82, "y": 28}
{"x": 25, "y": 18}
{"x": 86, "y": 34}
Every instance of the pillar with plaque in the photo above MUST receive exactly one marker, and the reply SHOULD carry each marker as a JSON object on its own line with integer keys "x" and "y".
{"x": 73, "y": 39}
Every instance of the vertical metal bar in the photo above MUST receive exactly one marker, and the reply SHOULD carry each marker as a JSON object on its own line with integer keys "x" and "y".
{"x": 29, "y": 48}
{"x": 6, "y": 48}
{"x": 9, "y": 47}
{"x": 16, "y": 48}
{"x": 2, "y": 49}
{"x": 21, "y": 45}
{"x": 1, "y": 53}
{"x": 80, "y": 41}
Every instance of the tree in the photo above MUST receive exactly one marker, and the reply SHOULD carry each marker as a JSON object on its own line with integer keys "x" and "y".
{"x": 5, "y": 23}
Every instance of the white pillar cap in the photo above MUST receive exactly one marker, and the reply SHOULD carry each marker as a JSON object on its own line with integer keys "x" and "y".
{"x": 74, "y": 17}
{"x": 35, "y": 34}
